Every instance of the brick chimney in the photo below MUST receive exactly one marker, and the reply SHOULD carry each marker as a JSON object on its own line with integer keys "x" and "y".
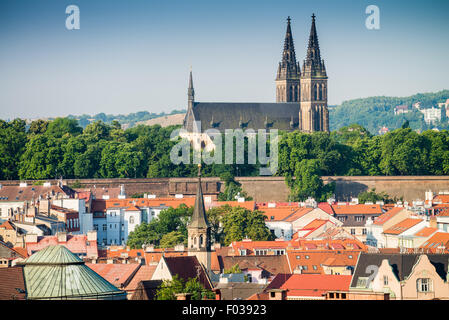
{"x": 277, "y": 294}
{"x": 62, "y": 236}
{"x": 433, "y": 222}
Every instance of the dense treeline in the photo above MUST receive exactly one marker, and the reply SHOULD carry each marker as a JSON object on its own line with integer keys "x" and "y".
{"x": 129, "y": 119}
{"x": 375, "y": 112}
{"x": 62, "y": 148}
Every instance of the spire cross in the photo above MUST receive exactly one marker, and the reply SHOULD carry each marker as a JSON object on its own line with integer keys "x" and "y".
{"x": 313, "y": 16}
{"x": 288, "y": 19}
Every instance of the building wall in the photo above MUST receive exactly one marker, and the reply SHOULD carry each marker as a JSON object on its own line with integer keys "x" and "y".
{"x": 268, "y": 189}
{"x": 424, "y": 269}
{"x": 393, "y": 287}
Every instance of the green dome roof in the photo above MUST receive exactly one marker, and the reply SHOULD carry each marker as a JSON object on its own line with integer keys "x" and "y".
{"x": 57, "y": 273}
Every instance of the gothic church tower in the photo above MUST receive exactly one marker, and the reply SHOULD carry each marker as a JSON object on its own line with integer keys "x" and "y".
{"x": 288, "y": 74}
{"x": 314, "y": 114}
{"x": 199, "y": 230}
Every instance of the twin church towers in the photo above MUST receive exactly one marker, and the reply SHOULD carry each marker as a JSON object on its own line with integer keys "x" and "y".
{"x": 301, "y": 97}
{"x": 307, "y": 86}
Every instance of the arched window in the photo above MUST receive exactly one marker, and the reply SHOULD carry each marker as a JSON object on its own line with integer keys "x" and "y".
{"x": 201, "y": 240}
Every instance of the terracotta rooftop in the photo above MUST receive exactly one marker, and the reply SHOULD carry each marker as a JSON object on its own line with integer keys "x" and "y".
{"x": 7, "y": 225}
{"x": 380, "y": 220}
{"x": 143, "y": 274}
{"x": 30, "y": 192}
{"x": 283, "y": 213}
{"x": 402, "y": 226}
{"x": 357, "y": 209}
{"x": 119, "y": 274}
{"x": 439, "y": 239}
{"x": 426, "y": 232}
{"x": 443, "y": 198}
{"x": 101, "y": 205}
{"x": 77, "y": 244}
{"x": 314, "y": 285}
{"x": 313, "y": 261}
{"x": 12, "y": 283}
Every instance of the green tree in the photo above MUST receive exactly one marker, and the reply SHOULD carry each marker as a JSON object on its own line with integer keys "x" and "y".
{"x": 373, "y": 196}
{"x": 172, "y": 239}
{"x": 239, "y": 223}
{"x": 169, "y": 288}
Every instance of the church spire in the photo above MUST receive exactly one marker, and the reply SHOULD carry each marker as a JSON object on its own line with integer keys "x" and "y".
{"x": 199, "y": 219}
{"x": 288, "y": 68}
{"x": 313, "y": 63}
{"x": 313, "y": 50}
{"x": 190, "y": 90}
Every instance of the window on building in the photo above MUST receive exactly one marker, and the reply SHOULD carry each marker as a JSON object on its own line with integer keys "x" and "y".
{"x": 96, "y": 227}
{"x": 131, "y": 220}
{"x": 343, "y": 295}
{"x": 304, "y": 268}
{"x": 352, "y": 231}
{"x": 364, "y": 231}
{"x": 331, "y": 295}
{"x": 261, "y": 252}
{"x": 105, "y": 227}
{"x": 298, "y": 257}
{"x": 307, "y": 257}
{"x": 315, "y": 267}
{"x": 362, "y": 282}
{"x": 385, "y": 280}
{"x": 424, "y": 285}
{"x": 358, "y": 218}
{"x": 342, "y": 218}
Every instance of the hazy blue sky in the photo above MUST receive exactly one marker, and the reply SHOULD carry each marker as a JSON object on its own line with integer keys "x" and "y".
{"x": 135, "y": 55}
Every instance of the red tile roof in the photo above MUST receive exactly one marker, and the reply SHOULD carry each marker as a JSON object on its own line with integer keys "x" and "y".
{"x": 443, "y": 198}
{"x": 357, "y": 209}
{"x": 101, "y": 205}
{"x": 380, "y": 220}
{"x": 12, "y": 283}
{"x": 315, "y": 285}
{"x": 119, "y": 274}
{"x": 443, "y": 213}
{"x": 77, "y": 244}
{"x": 439, "y": 239}
{"x": 426, "y": 232}
{"x": 402, "y": 226}
{"x": 326, "y": 207}
{"x": 315, "y": 260}
{"x": 144, "y": 273}
{"x": 7, "y": 225}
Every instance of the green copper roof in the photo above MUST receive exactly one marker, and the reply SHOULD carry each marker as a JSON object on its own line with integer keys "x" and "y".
{"x": 58, "y": 255}
{"x": 56, "y": 273}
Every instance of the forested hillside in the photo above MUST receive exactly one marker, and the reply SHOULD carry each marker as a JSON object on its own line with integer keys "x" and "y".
{"x": 375, "y": 112}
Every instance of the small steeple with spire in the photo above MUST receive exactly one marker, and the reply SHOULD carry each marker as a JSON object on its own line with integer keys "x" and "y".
{"x": 199, "y": 219}
{"x": 190, "y": 90}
